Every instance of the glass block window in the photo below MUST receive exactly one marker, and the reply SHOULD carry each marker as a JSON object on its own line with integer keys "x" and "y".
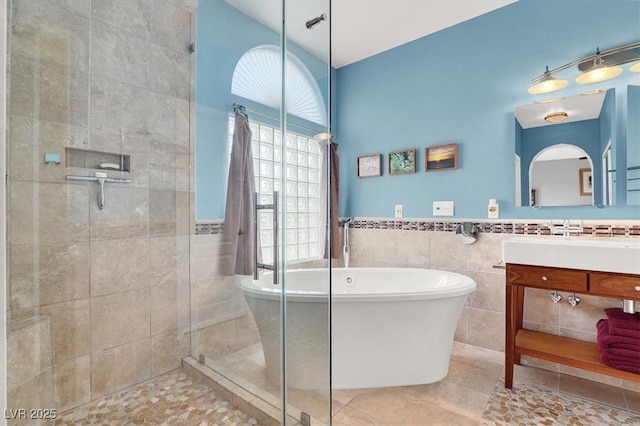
{"x": 301, "y": 167}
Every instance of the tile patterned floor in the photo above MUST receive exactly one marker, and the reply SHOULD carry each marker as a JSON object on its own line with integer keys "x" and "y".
{"x": 531, "y": 405}
{"x": 472, "y": 394}
{"x": 172, "y": 399}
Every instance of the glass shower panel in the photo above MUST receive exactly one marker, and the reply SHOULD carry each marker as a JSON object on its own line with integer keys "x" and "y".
{"x": 306, "y": 265}
{"x": 97, "y": 293}
{"x": 238, "y": 329}
{"x": 236, "y": 50}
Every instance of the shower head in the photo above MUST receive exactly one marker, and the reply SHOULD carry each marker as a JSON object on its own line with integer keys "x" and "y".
{"x": 315, "y": 21}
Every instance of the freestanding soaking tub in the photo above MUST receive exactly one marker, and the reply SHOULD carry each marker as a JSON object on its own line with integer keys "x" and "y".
{"x": 390, "y": 326}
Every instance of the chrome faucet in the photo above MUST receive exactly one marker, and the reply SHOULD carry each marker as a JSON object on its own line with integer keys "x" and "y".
{"x": 345, "y": 241}
{"x": 566, "y": 229}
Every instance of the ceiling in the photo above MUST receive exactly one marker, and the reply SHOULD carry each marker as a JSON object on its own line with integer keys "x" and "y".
{"x": 363, "y": 28}
{"x": 578, "y": 108}
{"x": 564, "y": 152}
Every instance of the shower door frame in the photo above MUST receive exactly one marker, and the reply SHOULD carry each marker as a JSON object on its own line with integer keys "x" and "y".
{"x": 3, "y": 236}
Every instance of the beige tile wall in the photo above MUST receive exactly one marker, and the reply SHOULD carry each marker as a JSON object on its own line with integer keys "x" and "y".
{"x": 483, "y": 319}
{"x": 112, "y": 284}
{"x": 482, "y": 322}
{"x": 220, "y": 316}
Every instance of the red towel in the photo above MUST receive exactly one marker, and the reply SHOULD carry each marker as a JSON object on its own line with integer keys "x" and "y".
{"x": 620, "y": 352}
{"x": 623, "y": 324}
{"x": 607, "y": 340}
{"x": 622, "y": 362}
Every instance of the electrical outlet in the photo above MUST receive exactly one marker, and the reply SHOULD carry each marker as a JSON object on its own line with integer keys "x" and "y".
{"x": 443, "y": 208}
{"x": 398, "y": 210}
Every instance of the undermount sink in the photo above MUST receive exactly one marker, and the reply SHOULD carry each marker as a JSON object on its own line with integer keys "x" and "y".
{"x": 588, "y": 254}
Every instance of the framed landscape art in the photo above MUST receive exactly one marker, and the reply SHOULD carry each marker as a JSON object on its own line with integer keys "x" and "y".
{"x": 441, "y": 157}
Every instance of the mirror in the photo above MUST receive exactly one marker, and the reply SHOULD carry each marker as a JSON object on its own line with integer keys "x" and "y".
{"x": 561, "y": 163}
{"x": 566, "y": 159}
{"x": 633, "y": 145}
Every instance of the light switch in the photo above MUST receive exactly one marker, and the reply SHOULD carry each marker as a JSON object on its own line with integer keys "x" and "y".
{"x": 443, "y": 208}
{"x": 398, "y": 210}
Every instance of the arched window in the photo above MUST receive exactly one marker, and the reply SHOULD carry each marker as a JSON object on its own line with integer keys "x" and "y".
{"x": 296, "y": 157}
{"x": 257, "y": 77}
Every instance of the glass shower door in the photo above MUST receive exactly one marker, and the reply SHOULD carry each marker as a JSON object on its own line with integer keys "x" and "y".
{"x": 306, "y": 257}
{"x": 261, "y": 76}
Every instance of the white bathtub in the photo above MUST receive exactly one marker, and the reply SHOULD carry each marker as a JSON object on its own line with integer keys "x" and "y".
{"x": 390, "y": 326}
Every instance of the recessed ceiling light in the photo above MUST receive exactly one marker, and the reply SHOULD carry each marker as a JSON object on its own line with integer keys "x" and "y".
{"x": 556, "y": 117}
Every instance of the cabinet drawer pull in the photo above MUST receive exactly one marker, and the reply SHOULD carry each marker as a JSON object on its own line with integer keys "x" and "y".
{"x": 637, "y": 288}
{"x": 544, "y": 278}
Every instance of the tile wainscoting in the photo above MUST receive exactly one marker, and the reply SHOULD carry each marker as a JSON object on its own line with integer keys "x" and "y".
{"x": 425, "y": 243}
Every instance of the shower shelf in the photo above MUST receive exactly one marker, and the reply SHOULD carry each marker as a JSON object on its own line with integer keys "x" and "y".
{"x": 97, "y": 160}
{"x": 101, "y": 178}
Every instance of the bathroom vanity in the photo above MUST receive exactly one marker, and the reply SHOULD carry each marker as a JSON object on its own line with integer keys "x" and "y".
{"x": 563, "y": 265}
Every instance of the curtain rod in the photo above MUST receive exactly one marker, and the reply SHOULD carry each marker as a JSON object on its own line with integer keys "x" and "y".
{"x": 241, "y": 108}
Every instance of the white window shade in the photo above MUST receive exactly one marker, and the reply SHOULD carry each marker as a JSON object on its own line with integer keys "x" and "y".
{"x": 257, "y": 77}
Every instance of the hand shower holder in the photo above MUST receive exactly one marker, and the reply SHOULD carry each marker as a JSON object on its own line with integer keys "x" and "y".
{"x": 101, "y": 178}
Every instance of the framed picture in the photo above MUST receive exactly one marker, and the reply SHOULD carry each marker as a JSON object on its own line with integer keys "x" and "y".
{"x": 402, "y": 162}
{"x": 369, "y": 165}
{"x": 441, "y": 157}
{"x": 586, "y": 182}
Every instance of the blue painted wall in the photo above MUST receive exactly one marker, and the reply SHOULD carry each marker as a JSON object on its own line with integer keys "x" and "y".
{"x": 461, "y": 85}
{"x": 632, "y": 185}
{"x": 608, "y": 133}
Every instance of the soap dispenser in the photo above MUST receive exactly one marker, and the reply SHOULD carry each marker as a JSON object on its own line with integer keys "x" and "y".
{"x": 493, "y": 209}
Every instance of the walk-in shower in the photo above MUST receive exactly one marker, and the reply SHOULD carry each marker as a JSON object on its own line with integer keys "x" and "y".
{"x": 98, "y": 275}
{"x": 111, "y": 285}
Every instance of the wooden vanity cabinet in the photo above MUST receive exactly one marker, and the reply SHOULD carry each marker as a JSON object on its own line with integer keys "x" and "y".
{"x": 550, "y": 347}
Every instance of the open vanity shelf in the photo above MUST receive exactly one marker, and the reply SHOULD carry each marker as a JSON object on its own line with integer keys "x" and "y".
{"x": 559, "y": 349}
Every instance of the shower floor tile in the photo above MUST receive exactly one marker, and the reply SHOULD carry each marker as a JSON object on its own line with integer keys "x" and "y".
{"x": 171, "y": 399}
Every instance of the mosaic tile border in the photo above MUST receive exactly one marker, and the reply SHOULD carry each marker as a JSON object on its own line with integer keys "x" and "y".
{"x": 209, "y": 228}
{"x": 506, "y": 227}
{"x": 511, "y": 227}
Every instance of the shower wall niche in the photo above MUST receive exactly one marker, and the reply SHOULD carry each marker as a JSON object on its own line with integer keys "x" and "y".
{"x": 87, "y": 159}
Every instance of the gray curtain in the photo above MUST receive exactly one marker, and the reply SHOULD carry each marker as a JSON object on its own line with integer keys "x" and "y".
{"x": 239, "y": 212}
{"x": 329, "y": 204}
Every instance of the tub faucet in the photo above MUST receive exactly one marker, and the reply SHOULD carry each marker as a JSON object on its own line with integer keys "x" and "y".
{"x": 345, "y": 241}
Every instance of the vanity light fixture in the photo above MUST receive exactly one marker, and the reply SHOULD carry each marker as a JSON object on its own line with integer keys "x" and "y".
{"x": 550, "y": 100}
{"x": 547, "y": 84}
{"x": 594, "y": 68}
{"x": 556, "y": 117}
{"x": 593, "y": 92}
{"x": 599, "y": 72}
